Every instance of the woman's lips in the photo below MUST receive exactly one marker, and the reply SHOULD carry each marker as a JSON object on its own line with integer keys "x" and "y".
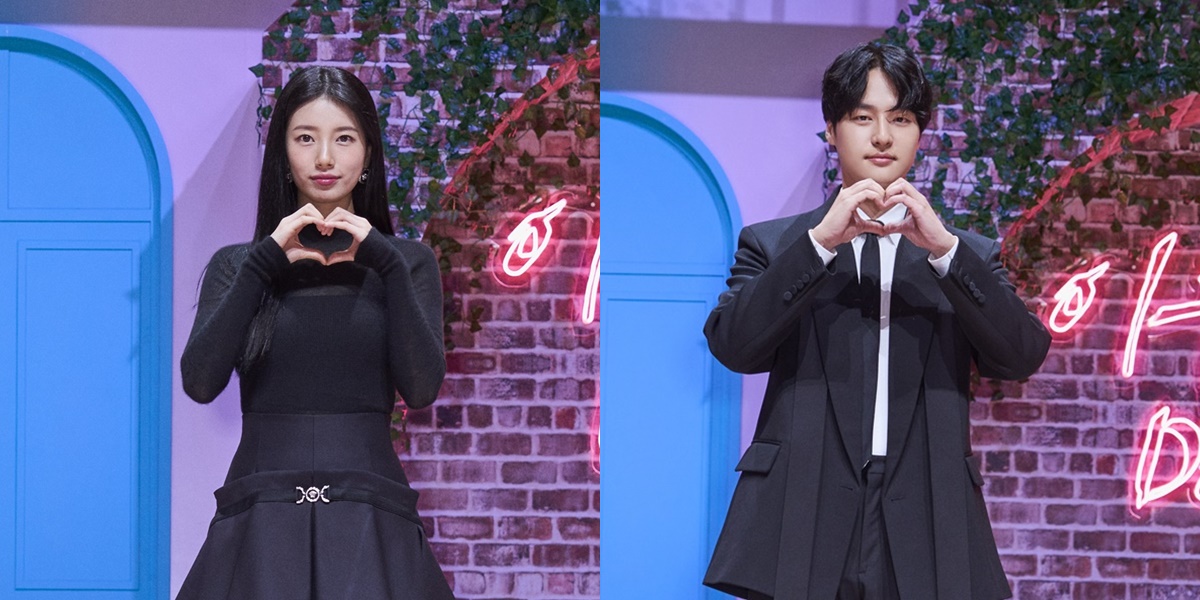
{"x": 881, "y": 160}
{"x": 325, "y": 180}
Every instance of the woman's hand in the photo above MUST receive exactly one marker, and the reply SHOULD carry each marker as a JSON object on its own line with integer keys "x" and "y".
{"x": 355, "y": 225}
{"x": 286, "y": 234}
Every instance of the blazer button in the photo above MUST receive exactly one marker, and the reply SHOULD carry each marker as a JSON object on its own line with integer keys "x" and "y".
{"x": 972, "y": 287}
{"x": 788, "y": 295}
{"x": 806, "y": 278}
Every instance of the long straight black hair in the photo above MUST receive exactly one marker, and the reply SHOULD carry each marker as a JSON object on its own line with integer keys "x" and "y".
{"x": 277, "y": 196}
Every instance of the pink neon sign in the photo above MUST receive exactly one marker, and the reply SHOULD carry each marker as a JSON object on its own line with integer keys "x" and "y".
{"x": 1161, "y": 431}
{"x": 1164, "y": 434}
{"x": 528, "y": 243}
{"x": 1077, "y": 294}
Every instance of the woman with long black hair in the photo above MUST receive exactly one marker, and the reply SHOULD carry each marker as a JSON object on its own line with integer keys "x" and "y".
{"x": 325, "y": 316}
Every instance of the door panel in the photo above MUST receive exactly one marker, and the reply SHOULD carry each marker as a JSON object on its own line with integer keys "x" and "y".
{"x": 84, "y": 328}
{"x": 669, "y": 411}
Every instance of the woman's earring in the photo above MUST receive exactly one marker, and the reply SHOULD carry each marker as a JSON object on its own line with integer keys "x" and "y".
{"x": 289, "y": 176}
{"x": 363, "y": 178}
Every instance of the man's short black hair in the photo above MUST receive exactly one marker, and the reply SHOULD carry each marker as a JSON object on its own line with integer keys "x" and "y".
{"x": 845, "y": 81}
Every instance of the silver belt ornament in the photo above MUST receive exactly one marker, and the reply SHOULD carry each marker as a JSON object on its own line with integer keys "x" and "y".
{"x": 312, "y": 494}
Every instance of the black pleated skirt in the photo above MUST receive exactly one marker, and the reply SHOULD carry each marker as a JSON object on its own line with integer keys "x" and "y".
{"x": 315, "y": 507}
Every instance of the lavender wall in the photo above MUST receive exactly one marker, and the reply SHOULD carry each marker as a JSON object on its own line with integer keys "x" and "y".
{"x": 196, "y": 83}
{"x": 758, "y": 118}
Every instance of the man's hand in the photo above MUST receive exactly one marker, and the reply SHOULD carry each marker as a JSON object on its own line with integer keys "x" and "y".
{"x": 922, "y": 225}
{"x": 842, "y": 223}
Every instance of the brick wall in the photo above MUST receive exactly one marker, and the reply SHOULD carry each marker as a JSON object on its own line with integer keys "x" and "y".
{"x": 1060, "y": 451}
{"x": 504, "y": 459}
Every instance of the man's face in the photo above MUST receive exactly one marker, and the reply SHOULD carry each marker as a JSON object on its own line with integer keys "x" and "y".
{"x": 875, "y": 140}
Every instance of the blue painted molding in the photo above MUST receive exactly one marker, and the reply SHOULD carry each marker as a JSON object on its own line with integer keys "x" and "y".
{"x": 155, "y": 429}
{"x": 725, "y": 428}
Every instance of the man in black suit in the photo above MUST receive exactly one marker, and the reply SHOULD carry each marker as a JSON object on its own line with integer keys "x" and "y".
{"x": 868, "y": 312}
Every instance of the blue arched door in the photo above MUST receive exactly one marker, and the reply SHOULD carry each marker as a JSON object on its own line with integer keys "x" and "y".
{"x": 84, "y": 327}
{"x": 669, "y": 411}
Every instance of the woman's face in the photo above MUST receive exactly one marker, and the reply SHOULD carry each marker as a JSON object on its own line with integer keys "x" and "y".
{"x": 326, "y": 154}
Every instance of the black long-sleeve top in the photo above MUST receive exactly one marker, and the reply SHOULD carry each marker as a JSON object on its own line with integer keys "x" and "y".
{"x": 345, "y": 336}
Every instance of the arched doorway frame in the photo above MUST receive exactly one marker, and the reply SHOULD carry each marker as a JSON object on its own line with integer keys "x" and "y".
{"x": 155, "y": 340}
{"x": 724, "y": 428}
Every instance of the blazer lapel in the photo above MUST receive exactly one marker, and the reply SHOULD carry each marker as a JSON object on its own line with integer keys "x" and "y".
{"x": 914, "y": 307}
{"x": 838, "y": 321}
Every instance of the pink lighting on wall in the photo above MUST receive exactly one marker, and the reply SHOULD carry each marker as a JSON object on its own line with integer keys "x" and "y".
{"x": 1154, "y": 270}
{"x": 592, "y": 289}
{"x": 1074, "y": 299}
{"x": 528, "y": 243}
{"x": 1185, "y": 437}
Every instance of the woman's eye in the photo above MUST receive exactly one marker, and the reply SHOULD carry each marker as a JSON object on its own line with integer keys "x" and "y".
{"x": 304, "y": 138}
{"x": 346, "y": 139}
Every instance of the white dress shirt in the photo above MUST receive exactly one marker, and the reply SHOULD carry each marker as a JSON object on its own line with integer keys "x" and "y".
{"x": 887, "y": 265}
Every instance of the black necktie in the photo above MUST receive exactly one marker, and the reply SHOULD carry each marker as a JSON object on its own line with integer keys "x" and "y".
{"x": 868, "y": 272}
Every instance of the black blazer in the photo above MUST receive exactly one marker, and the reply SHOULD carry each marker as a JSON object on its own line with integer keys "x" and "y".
{"x": 789, "y": 524}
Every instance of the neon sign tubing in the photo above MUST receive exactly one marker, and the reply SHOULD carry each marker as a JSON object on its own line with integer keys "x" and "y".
{"x": 1154, "y": 270}
{"x": 1072, "y": 301}
{"x": 1144, "y": 487}
{"x": 592, "y": 288}
{"x": 527, "y": 244}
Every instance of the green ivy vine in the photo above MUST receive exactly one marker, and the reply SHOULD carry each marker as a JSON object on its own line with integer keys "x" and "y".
{"x": 1032, "y": 84}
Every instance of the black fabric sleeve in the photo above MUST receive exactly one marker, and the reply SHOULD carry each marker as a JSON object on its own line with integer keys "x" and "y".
{"x": 413, "y": 290}
{"x": 766, "y": 298}
{"x": 1009, "y": 342}
{"x": 230, "y": 295}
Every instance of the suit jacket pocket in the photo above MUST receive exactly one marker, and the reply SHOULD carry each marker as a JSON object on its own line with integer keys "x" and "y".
{"x": 973, "y": 462}
{"x": 758, "y": 457}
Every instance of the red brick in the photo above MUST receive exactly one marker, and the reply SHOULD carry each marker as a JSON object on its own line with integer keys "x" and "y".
{"x": 469, "y": 471}
{"x": 524, "y": 528}
{"x": 528, "y": 472}
{"x": 1065, "y": 566}
{"x": 1032, "y": 588}
{"x": 1102, "y": 489}
{"x": 501, "y": 555}
{"x": 576, "y": 528}
{"x": 578, "y": 472}
{"x": 473, "y": 528}
{"x": 562, "y": 444}
{"x": 1070, "y": 514}
{"x": 499, "y": 499}
{"x": 561, "y": 583}
{"x": 470, "y": 363}
{"x": 449, "y": 555}
{"x": 1045, "y": 487}
{"x": 1099, "y": 541}
{"x": 527, "y": 363}
{"x": 561, "y": 555}
{"x": 560, "y": 500}
{"x": 1017, "y": 565}
{"x": 490, "y": 444}
{"x": 1095, "y": 590}
{"x": 1156, "y": 543}
{"x": 1182, "y": 570}
{"x": 479, "y": 416}
{"x": 538, "y": 417}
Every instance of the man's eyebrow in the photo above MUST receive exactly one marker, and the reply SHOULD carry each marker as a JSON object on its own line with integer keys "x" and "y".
{"x": 865, "y": 106}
